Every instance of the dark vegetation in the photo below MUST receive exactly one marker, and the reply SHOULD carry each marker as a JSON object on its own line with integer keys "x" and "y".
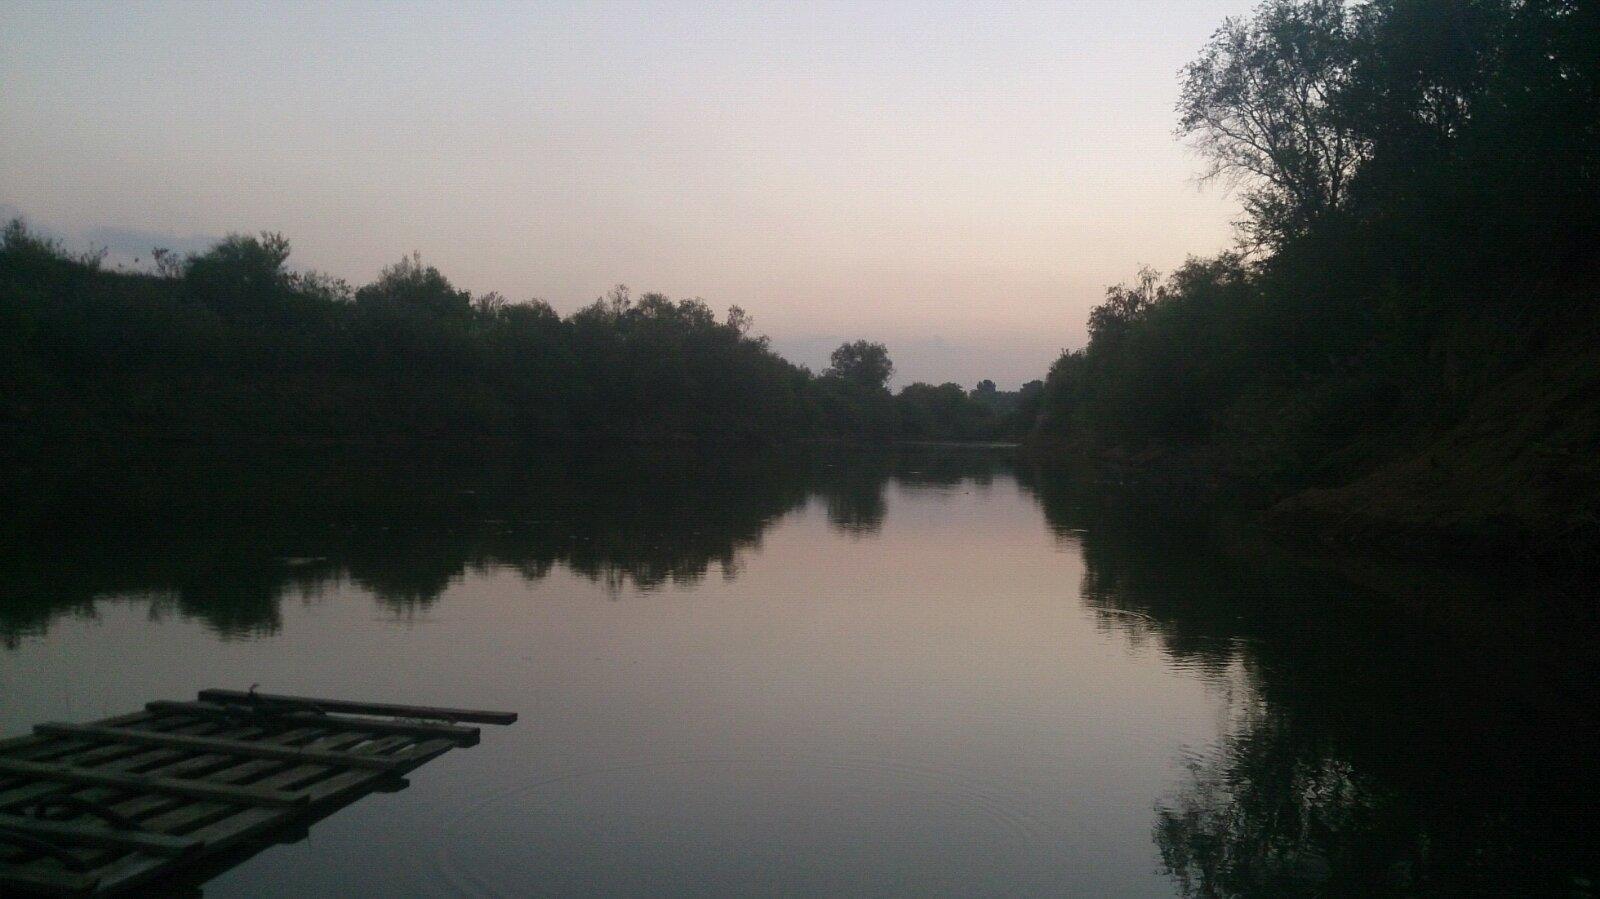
{"x": 1409, "y": 324}
{"x": 1403, "y": 345}
{"x": 227, "y": 530}
{"x": 232, "y": 342}
{"x": 1353, "y": 761}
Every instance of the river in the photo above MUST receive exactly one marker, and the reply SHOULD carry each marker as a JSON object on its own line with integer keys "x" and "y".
{"x": 840, "y": 670}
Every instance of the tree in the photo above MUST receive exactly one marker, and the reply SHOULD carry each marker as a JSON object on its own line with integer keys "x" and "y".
{"x": 1124, "y": 306}
{"x": 1260, "y": 103}
{"x": 739, "y": 321}
{"x": 25, "y": 249}
{"x": 409, "y": 285}
{"x": 490, "y": 305}
{"x": 1421, "y": 67}
{"x": 168, "y": 264}
{"x": 241, "y": 271}
{"x": 863, "y": 363}
{"x": 944, "y": 412}
{"x": 1025, "y": 417}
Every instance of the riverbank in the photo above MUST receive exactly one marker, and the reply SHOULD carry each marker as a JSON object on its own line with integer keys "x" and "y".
{"x": 1460, "y": 496}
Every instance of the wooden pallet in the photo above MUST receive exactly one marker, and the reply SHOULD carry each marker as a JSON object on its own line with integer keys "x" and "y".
{"x": 186, "y": 786}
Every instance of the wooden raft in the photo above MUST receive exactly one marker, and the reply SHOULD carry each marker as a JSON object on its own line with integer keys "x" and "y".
{"x": 187, "y": 786}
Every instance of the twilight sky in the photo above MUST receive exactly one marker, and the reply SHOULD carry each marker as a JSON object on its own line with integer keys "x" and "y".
{"x": 958, "y": 181}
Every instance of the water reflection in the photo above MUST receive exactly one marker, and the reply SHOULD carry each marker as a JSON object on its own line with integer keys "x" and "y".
{"x": 1436, "y": 741}
{"x": 1381, "y": 730}
{"x": 239, "y": 538}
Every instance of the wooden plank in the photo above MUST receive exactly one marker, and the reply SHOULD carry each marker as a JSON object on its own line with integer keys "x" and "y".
{"x": 464, "y": 736}
{"x": 143, "y": 805}
{"x": 180, "y": 819}
{"x": 415, "y": 756}
{"x": 243, "y": 748}
{"x": 78, "y": 751}
{"x": 192, "y": 789}
{"x": 99, "y": 835}
{"x": 197, "y": 740}
{"x": 55, "y": 749}
{"x": 315, "y": 782}
{"x": 27, "y": 742}
{"x": 309, "y": 703}
{"x": 114, "y": 758}
{"x": 25, "y": 791}
{"x": 245, "y": 825}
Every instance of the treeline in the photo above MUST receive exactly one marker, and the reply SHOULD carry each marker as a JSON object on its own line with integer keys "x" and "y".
{"x": 231, "y": 341}
{"x": 1413, "y": 298}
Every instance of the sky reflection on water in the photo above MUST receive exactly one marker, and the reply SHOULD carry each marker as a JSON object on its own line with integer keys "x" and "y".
{"x": 932, "y": 669}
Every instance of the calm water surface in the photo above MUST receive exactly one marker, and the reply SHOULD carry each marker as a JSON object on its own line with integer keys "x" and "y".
{"x": 927, "y": 670}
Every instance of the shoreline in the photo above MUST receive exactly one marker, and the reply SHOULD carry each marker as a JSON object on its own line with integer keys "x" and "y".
{"x": 1400, "y": 501}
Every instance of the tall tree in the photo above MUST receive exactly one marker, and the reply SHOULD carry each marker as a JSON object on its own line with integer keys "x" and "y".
{"x": 863, "y": 363}
{"x": 1260, "y": 103}
{"x": 410, "y": 285}
{"x": 241, "y": 272}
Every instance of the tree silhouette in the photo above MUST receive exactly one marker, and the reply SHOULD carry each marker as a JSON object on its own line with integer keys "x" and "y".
{"x": 862, "y": 363}
{"x": 409, "y": 285}
{"x": 1260, "y": 103}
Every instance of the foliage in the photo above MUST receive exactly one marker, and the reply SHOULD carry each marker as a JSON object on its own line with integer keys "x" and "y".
{"x": 230, "y": 341}
{"x": 241, "y": 272}
{"x": 862, "y": 363}
{"x": 944, "y": 412}
{"x": 408, "y": 285}
{"x": 1260, "y": 103}
{"x": 1422, "y": 185}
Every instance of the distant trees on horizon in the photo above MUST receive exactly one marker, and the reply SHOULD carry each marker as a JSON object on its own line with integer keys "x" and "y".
{"x": 230, "y": 340}
{"x": 1421, "y": 188}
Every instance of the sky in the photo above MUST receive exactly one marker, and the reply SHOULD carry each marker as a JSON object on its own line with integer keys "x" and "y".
{"x": 960, "y": 182}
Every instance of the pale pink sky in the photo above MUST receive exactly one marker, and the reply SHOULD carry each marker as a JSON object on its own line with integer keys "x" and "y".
{"x": 958, "y": 181}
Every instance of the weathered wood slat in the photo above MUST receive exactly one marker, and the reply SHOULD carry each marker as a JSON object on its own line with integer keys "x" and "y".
{"x": 248, "y": 824}
{"x": 153, "y": 813}
{"x": 26, "y": 742}
{"x": 193, "y": 789}
{"x": 144, "y": 805}
{"x": 309, "y": 703}
{"x": 464, "y": 736}
{"x": 244, "y": 748}
{"x": 56, "y": 749}
{"x": 233, "y": 770}
{"x": 138, "y": 868}
{"x": 202, "y": 781}
{"x": 166, "y": 762}
{"x": 422, "y": 753}
{"x": 113, "y": 758}
{"x": 98, "y": 835}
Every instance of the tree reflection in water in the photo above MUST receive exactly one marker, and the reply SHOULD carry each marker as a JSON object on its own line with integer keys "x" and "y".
{"x": 1432, "y": 738}
{"x": 248, "y": 529}
{"x": 1416, "y": 735}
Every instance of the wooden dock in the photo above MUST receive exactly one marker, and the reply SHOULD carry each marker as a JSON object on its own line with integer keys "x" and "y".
{"x": 183, "y": 787}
